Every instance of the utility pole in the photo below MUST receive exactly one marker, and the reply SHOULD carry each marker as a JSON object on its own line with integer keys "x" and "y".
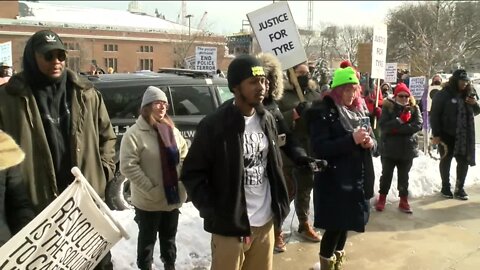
{"x": 189, "y": 16}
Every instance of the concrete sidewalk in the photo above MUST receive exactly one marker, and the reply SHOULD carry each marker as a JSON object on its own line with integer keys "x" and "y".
{"x": 441, "y": 234}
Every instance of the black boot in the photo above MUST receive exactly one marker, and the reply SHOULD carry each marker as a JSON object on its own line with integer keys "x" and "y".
{"x": 169, "y": 266}
{"x": 459, "y": 191}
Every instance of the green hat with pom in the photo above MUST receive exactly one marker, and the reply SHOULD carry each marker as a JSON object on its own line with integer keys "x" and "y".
{"x": 344, "y": 76}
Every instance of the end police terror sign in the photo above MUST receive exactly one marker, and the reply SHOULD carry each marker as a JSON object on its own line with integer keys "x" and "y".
{"x": 276, "y": 32}
{"x": 206, "y": 58}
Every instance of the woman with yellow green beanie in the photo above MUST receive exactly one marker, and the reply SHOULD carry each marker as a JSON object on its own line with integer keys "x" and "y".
{"x": 340, "y": 133}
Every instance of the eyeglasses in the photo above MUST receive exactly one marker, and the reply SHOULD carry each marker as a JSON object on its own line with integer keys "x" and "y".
{"x": 160, "y": 103}
{"x": 403, "y": 96}
{"x": 60, "y": 55}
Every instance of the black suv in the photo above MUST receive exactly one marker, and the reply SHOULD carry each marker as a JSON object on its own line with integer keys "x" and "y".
{"x": 191, "y": 95}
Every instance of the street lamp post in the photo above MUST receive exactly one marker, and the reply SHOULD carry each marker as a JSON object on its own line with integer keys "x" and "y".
{"x": 188, "y": 17}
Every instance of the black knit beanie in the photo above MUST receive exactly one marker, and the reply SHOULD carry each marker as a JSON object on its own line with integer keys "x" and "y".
{"x": 241, "y": 68}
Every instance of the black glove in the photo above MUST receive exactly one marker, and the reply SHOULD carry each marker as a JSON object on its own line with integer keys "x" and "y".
{"x": 302, "y": 107}
{"x": 304, "y": 161}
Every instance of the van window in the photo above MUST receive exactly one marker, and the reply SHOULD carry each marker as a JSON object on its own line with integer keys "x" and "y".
{"x": 191, "y": 100}
{"x": 124, "y": 102}
{"x": 224, "y": 93}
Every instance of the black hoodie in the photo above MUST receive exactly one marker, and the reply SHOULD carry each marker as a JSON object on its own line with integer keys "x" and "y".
{"x": 53, "y": 97}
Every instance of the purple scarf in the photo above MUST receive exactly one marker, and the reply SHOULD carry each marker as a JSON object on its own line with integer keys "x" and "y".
{"x": 169, "y": 158}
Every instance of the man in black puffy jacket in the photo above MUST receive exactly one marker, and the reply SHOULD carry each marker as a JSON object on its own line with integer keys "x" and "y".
{"x": 451, "y": 119}
{"x": 233, "y": 173}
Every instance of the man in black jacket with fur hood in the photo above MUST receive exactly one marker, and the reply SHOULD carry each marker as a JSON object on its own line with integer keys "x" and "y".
{"x": 233, "y": 173}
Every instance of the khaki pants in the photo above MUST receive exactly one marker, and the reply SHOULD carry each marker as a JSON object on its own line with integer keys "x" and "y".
{"x": 229, "y": 253}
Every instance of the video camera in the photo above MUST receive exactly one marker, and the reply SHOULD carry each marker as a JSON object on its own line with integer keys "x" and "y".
{"x": 318, "y": 165}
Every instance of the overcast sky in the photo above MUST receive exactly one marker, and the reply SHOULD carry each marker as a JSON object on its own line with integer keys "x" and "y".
{"x": 225, "y": 17}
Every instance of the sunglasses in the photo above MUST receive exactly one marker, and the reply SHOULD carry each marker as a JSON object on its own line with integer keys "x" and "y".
{"x": 403, "y": 96}
{"x": 60, "y": 55}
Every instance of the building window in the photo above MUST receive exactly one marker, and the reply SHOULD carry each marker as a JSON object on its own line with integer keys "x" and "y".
{"x": 146, "y": 64}
{"x": 111, "y": 62}
{"x": 110, "y": 47}
{"x": 73, "y": 63}
{"x": 146, "y": 48}
{"x": 72, "y": 46}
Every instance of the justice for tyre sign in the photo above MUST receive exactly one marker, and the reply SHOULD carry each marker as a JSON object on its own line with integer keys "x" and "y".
{"x": 277, "y": 33}
{"x": 379, "y": 51}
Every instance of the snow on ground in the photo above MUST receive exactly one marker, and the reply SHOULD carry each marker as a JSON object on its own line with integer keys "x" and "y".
{"x": 193, "y": 243}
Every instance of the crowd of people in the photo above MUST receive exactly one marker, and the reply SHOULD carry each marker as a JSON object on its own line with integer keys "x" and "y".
{"x": 281, "y": 137}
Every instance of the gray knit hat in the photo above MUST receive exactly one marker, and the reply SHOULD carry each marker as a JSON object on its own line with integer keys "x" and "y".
{"x": 153, "y": 94}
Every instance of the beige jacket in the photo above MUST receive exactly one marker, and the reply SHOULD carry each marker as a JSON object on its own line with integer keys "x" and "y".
{"x": 140, "y": 163}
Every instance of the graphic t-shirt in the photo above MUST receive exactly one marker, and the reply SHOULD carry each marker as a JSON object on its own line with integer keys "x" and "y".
{"x": 255, "y": 181}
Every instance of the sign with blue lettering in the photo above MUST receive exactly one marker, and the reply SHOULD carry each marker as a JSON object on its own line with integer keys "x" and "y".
{"x": 277, "y": 33}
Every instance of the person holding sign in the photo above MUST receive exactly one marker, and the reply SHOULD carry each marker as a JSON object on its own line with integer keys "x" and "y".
{"x": 60, "y": 121}
{"x": 340, "y": 133}
{"x": 292, "y": 107}
{"x": 16, "y": 209}
{"x": 150, "y": 155}
{"x": 400, "y": 121}
{"x": 233, "y": 173}
{"x": 288, "y": 142}
{"x": 451, "y": 119}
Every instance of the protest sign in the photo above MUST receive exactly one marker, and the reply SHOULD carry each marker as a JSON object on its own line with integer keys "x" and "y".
{"x": 417, "y": 86}
{"x": 6, "y": 53}
{"x": 379, "y": 51}
{"x": 71, "y": 233}
{"x": 276, "y": 32}
{"x": 364, "y": 56}
{"x": 391, "y": 72}
{"x": 190, "y": 62}
{"x": 206, "y": 58}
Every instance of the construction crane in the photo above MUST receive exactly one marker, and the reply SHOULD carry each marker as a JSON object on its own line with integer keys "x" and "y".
{"x": 181, "y": 18}
{"x": 310, "y": 16}
{"x": 202, "y": 21}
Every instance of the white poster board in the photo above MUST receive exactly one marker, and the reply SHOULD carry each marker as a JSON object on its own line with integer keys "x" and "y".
{"x": 190, "y": 62}
{"x": 71, "y": 233}
{"x": 6, "y": 53}
{"x": 277, "y": 33}
{"x": 417, "y": 86}
{"x": 391, "y": 72}
{"x": 206, "y": 58}
{"x": 379, "y": 51}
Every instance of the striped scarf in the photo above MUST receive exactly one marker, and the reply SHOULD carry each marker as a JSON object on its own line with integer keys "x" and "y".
{"x": 169, "y": 158}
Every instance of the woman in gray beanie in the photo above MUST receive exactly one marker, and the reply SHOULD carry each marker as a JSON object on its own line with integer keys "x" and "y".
{"x": 150, "y": 156}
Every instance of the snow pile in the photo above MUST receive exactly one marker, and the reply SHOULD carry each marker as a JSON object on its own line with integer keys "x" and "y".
{"x": 193, "y": 243}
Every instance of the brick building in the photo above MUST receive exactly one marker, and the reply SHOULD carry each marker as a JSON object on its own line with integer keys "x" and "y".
{"x": 126, "y": 44}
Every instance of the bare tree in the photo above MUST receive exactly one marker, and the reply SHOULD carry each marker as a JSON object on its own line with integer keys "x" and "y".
{"x": 434, "y": 36}
{"x": 349, "y": 38}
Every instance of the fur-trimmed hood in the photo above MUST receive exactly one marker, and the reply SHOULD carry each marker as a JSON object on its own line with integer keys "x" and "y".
{"x": 274, "y": 74}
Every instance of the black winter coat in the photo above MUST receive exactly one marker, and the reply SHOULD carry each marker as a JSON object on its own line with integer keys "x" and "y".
{"x": 443, "y": 114}
{"x": 399, "y": 140}
{"x": 291, "y": 146}
{"x": 16, "y": 209}
{"x": 212, "y": 172}
{"x": 341, "y": 192}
